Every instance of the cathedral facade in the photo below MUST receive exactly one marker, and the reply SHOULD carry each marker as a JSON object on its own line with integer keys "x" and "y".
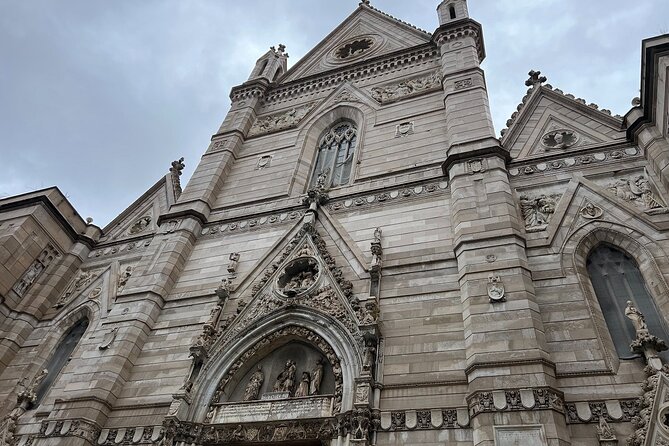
{"x": 359, "y": 259}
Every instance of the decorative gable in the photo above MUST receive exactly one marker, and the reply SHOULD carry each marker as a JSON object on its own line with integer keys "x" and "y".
{"x": 366, "y": 33}
{"x": 549, "y": 121}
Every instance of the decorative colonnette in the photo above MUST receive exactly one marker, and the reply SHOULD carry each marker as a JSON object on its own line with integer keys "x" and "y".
{"x": 135, "y": 245}
{"x": 571, "y": 161}
{"x": 610, "y": 410}
{"x": 247, "y": 224}
{"x": 343, "y": 204}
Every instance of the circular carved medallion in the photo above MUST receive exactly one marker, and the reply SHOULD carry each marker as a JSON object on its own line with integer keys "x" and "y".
{"x": 298, "y": 277}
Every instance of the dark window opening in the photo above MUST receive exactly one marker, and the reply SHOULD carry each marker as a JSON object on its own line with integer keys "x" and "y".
{"x": 451, "y": 10}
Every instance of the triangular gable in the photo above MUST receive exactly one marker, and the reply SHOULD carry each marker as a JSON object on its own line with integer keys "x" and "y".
{"x": 549, "y": 121}
{"x": 140, "y": 218}
{"x": 304, "y": 274}
{"x": 366, "y": 33}
{"x": 86, "y": 284}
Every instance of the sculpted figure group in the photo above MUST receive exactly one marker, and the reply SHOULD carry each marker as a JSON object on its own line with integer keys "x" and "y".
{"x": 310, "y": 383}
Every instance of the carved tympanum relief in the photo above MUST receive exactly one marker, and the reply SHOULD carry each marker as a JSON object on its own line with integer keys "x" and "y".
{"x": 298, "y": 276}
{"x": 407, "y": 88}
{"x": 280, "y": 121}
{"x": 537, "y": 210}
{"x": 636, "y": 190}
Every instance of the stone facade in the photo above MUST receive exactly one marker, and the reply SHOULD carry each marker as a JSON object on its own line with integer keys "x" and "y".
{"x": 437, "y": 295}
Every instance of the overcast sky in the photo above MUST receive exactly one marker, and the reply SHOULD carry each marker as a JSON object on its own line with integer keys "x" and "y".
{"x": 98, "y": 97}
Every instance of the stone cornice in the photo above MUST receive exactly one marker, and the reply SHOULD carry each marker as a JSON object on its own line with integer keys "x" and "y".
{"x": 458, "y": 29}
{"x": 364, "y": 69}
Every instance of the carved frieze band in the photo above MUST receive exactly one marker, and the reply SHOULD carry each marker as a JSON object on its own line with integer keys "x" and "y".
{"x": 386, "y": 196}
{"x": 402, "y": 420}
{"x": 407, "y": 88}
{"x": 280, "y": 121}
{"x": 515, "y": 399}
{"x": 581, "y": 160}
{"x": 136, "y": 245}
{"x": 592, "y": 411}
{"x": 104, "y": 437}
{"x": 248, "y": 224}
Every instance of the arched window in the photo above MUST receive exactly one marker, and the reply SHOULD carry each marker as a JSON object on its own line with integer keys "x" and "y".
{"x": 616, "y": 279}
{"x": 61, "y": 356}
{"x": 451, "y": 11}
{"x": 336, "y": 151}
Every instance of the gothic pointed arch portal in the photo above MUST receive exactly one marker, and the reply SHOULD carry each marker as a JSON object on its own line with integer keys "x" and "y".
{"x": 296, "y": 365}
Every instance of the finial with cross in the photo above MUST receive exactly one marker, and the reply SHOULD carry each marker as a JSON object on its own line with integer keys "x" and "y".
{"x": 535, "y": 79}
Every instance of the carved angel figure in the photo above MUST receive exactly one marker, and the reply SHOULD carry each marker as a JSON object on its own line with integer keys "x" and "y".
{"x": 636, "y": 317}
{"x": 636, "y": 191}
{"x": 538, "y": 210}
{"x": 124, "y": 277}
{"x": 255, "y": 383}
{"x": 286, "y": 379}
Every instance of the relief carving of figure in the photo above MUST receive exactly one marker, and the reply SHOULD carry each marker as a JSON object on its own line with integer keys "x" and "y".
{"x": 124, "y": 277}
{"x": 405, "y": 88}
{"x": 537, "y": 211}
{"x": 140, "y": 225}
{"x": 81, "y": 282}
{"x": 286, "y": 379}
{"x": 369, "y": 357}
{"x": 636, "y": 317}
{"x": 303, "y": 387}
{"x": 636, "y": 191}
{"x": 28, "y": 394}
{"x": 279, "y": 121}
{"x": 234, "y": 261}
{"x": 299, "y": 283}
{"x": 29, "y": 277}
{"x": 255, "y": 383}
{"x": 316, "y": 377}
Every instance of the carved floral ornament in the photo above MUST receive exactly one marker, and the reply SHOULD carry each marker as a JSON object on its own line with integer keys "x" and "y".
{"x": 354, "y": 48}
{"x": 559, "y": 139}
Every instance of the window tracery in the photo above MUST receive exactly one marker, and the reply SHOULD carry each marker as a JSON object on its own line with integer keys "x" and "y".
{"x": 336, "y": 151}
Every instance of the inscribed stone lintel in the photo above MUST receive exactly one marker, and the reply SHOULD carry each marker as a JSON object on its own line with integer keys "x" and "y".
{"x": 259, "y": 411}
{"x": 520, "y": 436}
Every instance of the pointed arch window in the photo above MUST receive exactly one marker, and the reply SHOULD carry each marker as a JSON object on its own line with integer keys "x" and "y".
{"x": 61, "y": 356}
{"x": 616, "y": 279}
{"x": 336, "y": 150}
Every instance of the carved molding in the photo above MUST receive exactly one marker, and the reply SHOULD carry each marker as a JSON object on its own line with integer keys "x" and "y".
{"x": 386, "y": 196}
{"x": 571, "y": 161}
{"x": 592, "y": 411}
{"x": 122, "y": 248}
{"x": 515, "y": 399}
{"x": 78, "y": 427}
{"x": 424, "y": 419}
{"x": 248, "y": 224}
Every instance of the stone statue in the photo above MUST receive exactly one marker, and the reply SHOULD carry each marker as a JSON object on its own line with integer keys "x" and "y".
{"x": 316, "y": 377}
{"x": 234, "y": 261}
{"x": 537, "y": 211}
{"x": 124, "y": 277}
{"x": 604, "y": 431}
{"x": 303, "y": 387}
{"x": 369, "y": 357}
{"x": 636, "y": 317}
{"x": 253, "y": 387}
{"x": 29, "y": 392}
{"x": 286, "y": 379}
{"x": 29, "y": 277}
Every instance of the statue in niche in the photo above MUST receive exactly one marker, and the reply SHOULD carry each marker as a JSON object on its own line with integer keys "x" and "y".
{"x": 316, "y": 377}
{"x": 303, "y": 387}
{"x": 253, "y": 387}
{"x": 636, "y": 317}
{"x": 369, "y": 357}
{"x": 286, "y": 379}
{"x": 30, "y": 276}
